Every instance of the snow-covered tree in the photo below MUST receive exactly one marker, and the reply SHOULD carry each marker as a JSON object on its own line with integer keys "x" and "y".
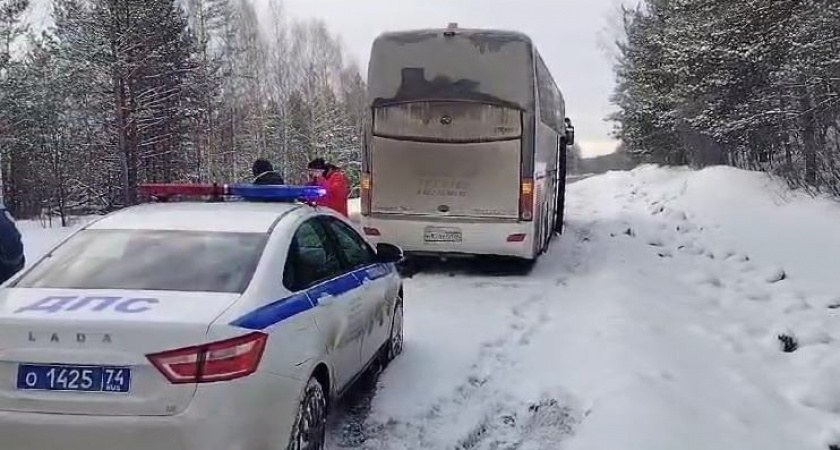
{"x": 122, "y": 92}
{"x": 11, "y": 28}
{"x": 749, "y": 83}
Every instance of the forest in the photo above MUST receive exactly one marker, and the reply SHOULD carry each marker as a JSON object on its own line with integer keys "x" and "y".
{"x": 750, "y": 83}
{"x": 116, "y": 93}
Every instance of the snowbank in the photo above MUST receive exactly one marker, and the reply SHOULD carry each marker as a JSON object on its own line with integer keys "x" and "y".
{"x": 718, "y": 265}
{"x": 653, "y": 324}
{"x": 751, "y": 212}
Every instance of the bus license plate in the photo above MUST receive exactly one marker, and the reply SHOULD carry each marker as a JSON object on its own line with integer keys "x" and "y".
{"x": 443, "y": 235}
{"x": 33, "y": 377}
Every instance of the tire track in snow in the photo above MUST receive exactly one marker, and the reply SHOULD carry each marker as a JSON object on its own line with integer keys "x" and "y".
{"x": 481, "y": 413}
{"x": 474, "y": 392}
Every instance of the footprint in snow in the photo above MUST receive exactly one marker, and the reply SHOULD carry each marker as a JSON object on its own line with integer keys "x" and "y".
{"x": 758, "y": 296}
{"x": 679, "y": 215}
{"x": 706, "y": 279}
{"x": 775, "y": 275}
{"x": 656, "y": 242}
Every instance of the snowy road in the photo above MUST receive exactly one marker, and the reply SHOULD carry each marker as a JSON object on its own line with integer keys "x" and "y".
{"x": 654, "y": 323}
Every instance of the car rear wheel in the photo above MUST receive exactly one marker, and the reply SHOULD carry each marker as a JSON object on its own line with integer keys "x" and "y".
{"x": 310, "y": 429}
{"x": 395, "y": 342}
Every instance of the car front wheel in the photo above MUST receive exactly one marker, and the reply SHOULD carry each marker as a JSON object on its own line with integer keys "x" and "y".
{"x": 310, "y": 430}
{"x": 395, "y": 342}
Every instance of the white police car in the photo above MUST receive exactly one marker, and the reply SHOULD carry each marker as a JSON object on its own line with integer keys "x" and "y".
{"x": 205, "y": 326}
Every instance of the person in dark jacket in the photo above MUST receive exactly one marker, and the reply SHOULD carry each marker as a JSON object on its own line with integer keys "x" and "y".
{"x": 12, "y": 259}
{"x": 333, "y": 180}
{"x": 264, "y": 173}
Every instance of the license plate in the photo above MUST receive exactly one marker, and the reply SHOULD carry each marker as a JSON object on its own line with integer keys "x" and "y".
{"x": 35, "y": 377}
{"x": 443, "y": 235}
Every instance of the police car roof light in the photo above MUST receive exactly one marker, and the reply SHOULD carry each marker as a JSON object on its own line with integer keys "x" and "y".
{"x": 244, "y": 191}
{"x": 279, "y": 193}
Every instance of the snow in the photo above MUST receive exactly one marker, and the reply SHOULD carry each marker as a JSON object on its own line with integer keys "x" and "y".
{"x": 654, "y": 323}
{"x": 244, "y": 217}
{"x": 354, "y": 209}
{"x": 39, "y": 238}
{"x": 37, "y": 18}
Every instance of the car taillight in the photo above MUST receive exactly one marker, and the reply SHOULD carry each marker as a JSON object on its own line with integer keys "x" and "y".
{"x": 526, "y": 200}
{"x": 218, "y": 361}
{"x": 366, "y": 186}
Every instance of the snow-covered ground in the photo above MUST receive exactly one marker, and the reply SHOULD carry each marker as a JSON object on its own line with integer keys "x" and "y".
{"x": 654, "y": 323}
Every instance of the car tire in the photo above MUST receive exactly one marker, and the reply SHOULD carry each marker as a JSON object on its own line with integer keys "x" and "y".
{"x": 310, "y": 428}
{"x": 394, "y": 347}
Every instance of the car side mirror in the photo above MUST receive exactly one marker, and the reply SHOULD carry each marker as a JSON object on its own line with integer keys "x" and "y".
{"x": 570, "y": 132}
{"x": 388, "y": 254}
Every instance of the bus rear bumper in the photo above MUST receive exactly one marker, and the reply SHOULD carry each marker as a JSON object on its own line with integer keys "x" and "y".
{"x": 513, "y": 239}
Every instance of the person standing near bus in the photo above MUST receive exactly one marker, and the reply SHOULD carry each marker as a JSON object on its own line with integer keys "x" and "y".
{"x": 264, "y": 173}
{"x": 333, "y": 180}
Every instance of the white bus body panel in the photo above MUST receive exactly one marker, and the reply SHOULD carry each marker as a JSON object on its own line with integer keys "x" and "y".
{"x": 478, "y": 238}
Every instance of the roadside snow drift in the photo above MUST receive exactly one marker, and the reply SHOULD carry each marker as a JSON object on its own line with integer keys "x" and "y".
{"x": 681, "y": 310}
{"x": 658, "y": 321}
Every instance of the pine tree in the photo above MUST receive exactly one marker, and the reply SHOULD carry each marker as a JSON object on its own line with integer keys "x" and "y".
{"x": 121, "y": 92}
{"x": 10, "y": 27}
{"x": 140, "y": 54}
{"x": 10, "y": 30}
{"x": 749, "y": 83}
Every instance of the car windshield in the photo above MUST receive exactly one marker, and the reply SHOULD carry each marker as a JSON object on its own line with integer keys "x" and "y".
{"x": 150, "y": 260}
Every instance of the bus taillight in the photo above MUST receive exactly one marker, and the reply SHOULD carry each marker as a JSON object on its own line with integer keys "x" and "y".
{"x": 526, "y": 200}
{"x": 365, "y": 191}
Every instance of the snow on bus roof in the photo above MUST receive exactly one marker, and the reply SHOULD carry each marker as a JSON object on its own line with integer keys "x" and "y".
{"x": 419, "y": 34}
{"x": 238, "y": 217}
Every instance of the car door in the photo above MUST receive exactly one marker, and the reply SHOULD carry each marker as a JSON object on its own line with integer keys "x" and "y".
{"x": 376, "y": 286}
{"x": 314, "y": 267}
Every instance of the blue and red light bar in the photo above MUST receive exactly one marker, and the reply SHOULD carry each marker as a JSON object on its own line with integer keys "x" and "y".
{"x": 244, "y": 191}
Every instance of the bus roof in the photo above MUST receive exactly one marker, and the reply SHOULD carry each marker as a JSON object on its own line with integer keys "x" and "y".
{"x": 487, "y": 35}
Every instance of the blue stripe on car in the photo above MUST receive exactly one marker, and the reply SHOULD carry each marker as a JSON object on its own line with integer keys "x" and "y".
{"x": 289, "y": 307}
{"x": 374, "y": 272}
{"x": 334, "y": 287}
{"x": 274, "y": 313}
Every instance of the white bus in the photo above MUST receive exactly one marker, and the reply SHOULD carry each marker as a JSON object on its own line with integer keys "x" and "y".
{"x": 465, "y": 148}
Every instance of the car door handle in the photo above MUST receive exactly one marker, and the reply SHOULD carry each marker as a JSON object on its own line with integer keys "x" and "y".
{"x": 326, "y": 300}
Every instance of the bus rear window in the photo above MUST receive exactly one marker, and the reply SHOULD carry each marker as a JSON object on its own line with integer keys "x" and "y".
{"x": 483, "y": 67}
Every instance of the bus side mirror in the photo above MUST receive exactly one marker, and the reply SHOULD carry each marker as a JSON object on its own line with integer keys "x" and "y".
{"x": 570, "y": 133}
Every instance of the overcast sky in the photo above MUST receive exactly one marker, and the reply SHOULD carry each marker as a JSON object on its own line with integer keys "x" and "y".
{"x": 570, "y": 34}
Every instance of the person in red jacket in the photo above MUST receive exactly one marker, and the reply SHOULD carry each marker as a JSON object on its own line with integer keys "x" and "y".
{"x": 334, "y": 181}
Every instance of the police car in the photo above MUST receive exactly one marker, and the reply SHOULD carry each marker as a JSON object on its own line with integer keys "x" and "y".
{"x": 195, "y": 326}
